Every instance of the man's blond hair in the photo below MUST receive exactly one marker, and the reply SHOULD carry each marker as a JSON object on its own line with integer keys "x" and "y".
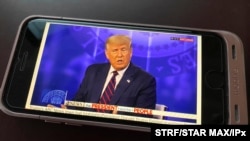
{"x": 118, "y": 40}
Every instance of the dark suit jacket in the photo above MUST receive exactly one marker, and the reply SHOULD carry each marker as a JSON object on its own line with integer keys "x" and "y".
{"x": 137, "y": 88}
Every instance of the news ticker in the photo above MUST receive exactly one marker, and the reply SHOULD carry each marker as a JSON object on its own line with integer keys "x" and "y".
{"x": 135, "y": 110}
{"x": 199, "y": 130}
{"x": 140, "y": 111}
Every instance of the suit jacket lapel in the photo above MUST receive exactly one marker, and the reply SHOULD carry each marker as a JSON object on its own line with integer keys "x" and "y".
{"x": 99, "y": 83}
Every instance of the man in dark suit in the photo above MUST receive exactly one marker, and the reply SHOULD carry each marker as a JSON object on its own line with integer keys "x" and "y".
{"x": 134, "y": 87}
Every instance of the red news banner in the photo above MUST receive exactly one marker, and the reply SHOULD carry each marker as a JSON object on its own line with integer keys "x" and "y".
{"x": 113, "y": 107}
{"x": 200, "y": 130}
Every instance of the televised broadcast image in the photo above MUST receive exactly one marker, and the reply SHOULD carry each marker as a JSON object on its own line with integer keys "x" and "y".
{"x": 67, "y": 50}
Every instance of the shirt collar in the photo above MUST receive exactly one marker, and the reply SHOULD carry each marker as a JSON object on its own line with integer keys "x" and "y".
{"x": 120, "y": 72}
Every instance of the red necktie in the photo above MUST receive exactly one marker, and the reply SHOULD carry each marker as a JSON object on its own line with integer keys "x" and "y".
{"x": 109, "y": 90}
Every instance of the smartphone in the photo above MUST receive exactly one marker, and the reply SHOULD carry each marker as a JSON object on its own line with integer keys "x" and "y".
{"x": 199, "y": 74}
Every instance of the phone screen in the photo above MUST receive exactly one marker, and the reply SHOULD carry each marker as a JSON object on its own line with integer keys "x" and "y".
{"x": 57, "y": 54}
